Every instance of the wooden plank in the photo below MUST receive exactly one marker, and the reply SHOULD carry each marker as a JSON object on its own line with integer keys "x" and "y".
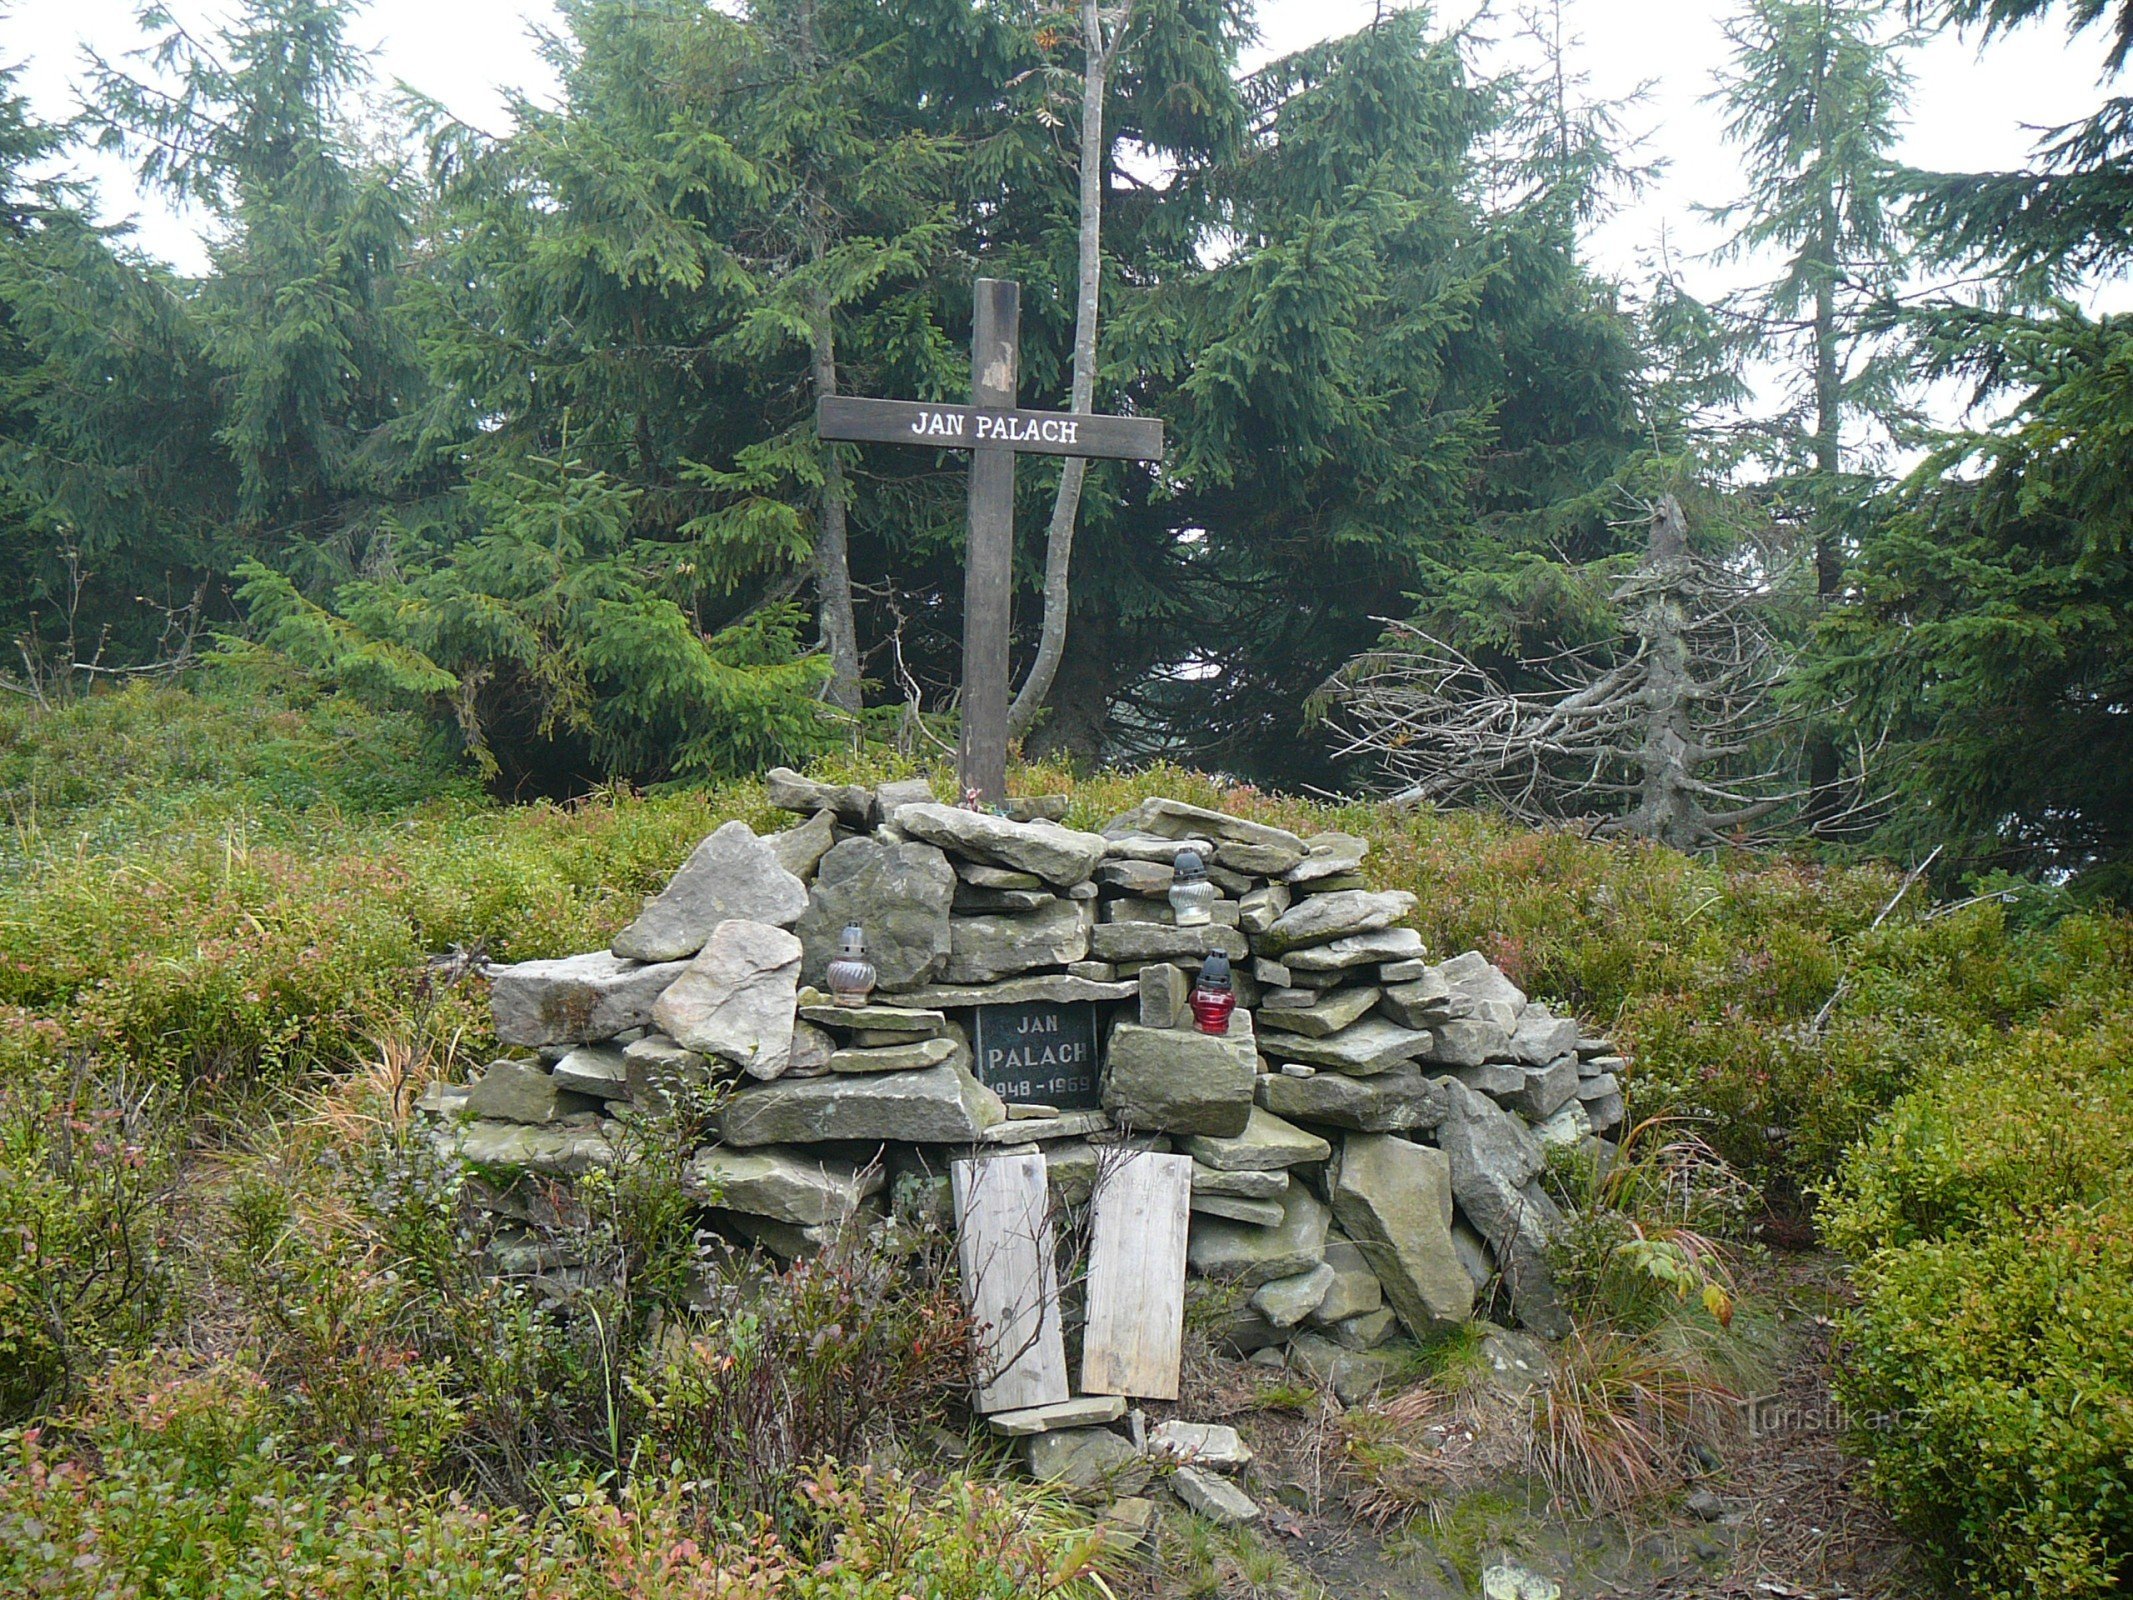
{"x": 1134, "y": 1341}
{"x": 1011, "y": 1280}
{"x": 951, "y": 427}
{"x": 989, "y": 559}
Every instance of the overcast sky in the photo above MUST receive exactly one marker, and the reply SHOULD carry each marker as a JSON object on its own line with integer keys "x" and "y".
{"x": 1968, "y": 112}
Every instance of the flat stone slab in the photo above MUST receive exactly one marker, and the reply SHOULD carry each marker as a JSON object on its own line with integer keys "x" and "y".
{"x": 595, "y": 1069}
{"x": 1201, "y": 1444}
{"x": 1474, "y": 976}
{"x": 1241, "y": 1185}
{"x": 1267, "y": 1144}
{"x": 1157, "y": 941}
{"x": 1087, "y": 1461}
{"x": 1324, "y": 1012}
{"x": 1468, "y": 1042}
{"x": 1321, "y": 918}
{"x": 791, "y": 791}
{"x": 1176, "y": 819}
{"x": 1356, "y": 950}
{"x": 1214, "y": 1497}
{"x": 913, "y": 1056}
{"x": 515, "y": 1091}
{"x": 1040, "y": 1130}
{"x": 1370, "y": 1046}
{"x": 1155, "y": 847}
{"x": 1255, "y": 1213}
{"x": 984, "y": 875}
{"x": 731, "y": 875}
{"x": 1057, "y": 987}
{"x": 1397, "y": 1101}
{"x": 940, "y": 1105}
{"x": 785, "y": 1185}
{"x": 548, "y": 1152}
{"x": 577, "y": 999}
{"x": 820, "y": 1009}
{"x": 1329, "y": 855}
{"x": 1355, "y": 1290}
{"x": 1055, "y": 854}
{"x": 1083, "y": 1411}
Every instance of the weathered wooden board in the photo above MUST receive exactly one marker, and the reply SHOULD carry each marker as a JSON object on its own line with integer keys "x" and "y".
{"x": 1011, "y": 1280}
{"x": 1133, "y": 1342}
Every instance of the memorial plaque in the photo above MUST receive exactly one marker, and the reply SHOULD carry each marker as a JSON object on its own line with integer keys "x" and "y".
{"x": 1039, "y": 1054}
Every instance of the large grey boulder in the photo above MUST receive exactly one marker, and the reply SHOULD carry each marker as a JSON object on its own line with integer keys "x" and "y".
{"x": 1394, "y": 1200}
{"x": 1321, "y": 918}
{"x": 898, "y": 894}
{"x": 731, "y": 875}
{"x": 1370, "y": 1046}
{"x": 1397, "y": 1101}
{"x": 1179, "y": 1080}
{"x": 1494, "y": 1161}
{"x": 1055, "y": 854}
{"x": 576, "y": 1000}
{"x": 1157, "y": 941}
{"x": 940, "y": 1105}
{"x": 736, "y": 1000}
{"x": 1237, "y": 1252}
{"x": 983, "y": 949}
{"x": 1356, "y": 950}
{"x": 1267, "y": 1144}
{"x": 793, "y": 1186}
{"x": 1333, "y": 1010}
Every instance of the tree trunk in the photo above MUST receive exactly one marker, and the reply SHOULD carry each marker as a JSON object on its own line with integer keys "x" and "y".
{"x": 1066, "y": 504}
{"x": 1824, "y": 768}
{"x": 1667, "y": 808}
{"x": 833, "y": 568}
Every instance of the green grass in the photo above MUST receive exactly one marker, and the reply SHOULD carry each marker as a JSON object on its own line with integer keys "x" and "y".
{"x": 218, "y": 896}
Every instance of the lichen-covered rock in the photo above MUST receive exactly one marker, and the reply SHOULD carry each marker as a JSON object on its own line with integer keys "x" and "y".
{"x": 736, "y": 1000}
{"x": 1158, "y": 941}
{"x": 985, "y": 948}
{"x": 1356, "y": 950}
{"x": 575, "y": 1000}
{"x": 1370, "y": 1046}
{"x": 551, "y": 1152}
{"x": 599, "y": 1070}
{"x": 515, "y": 1091}
{"x": 1267, "y": 1144}
{"x": 898, "y": 894}
{"x": 1400, "y": 1100}
{"x": 1328, "y": 1012}
{"x": 786, "y": 1185}
{"x": 1178, "y": 1080}
{"x": 1394, "y": 1200}
{"x": 940, "y": 1105}
{"x": 1237, "y": 1252}
{"x": 1322, "y": 918}
{"x": 731, "y": 876}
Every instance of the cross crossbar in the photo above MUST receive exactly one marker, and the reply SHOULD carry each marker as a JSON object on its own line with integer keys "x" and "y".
{"x": 953, "y": 427}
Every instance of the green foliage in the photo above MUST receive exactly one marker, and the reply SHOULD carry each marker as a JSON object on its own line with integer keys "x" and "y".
{"x": 1992, "y": 1222}
{"x": 182, "y": 1489}
{"x": 86, "y": 1167}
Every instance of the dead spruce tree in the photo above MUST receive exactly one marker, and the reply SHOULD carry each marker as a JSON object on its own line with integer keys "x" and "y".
{"x": 1673, "y": 731}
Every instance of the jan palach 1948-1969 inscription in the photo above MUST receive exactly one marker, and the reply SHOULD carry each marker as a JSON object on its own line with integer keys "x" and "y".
{"x": 1039, "y": 1054}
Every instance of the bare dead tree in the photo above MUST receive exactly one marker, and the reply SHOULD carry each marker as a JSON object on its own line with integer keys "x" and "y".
{"x": 1672, "y": 732}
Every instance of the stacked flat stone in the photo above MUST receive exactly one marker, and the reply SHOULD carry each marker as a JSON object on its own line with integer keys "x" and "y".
{"x": 1367, "y": 1138}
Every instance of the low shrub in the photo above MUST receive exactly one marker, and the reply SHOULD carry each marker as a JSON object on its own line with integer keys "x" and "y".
{"x": 86, "y": 1165}
{"x": 1990, "y": 1357}
{"x": 182, "y": 1490}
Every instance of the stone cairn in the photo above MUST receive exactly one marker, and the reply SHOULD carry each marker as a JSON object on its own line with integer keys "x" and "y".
{"x": 1367, "y": 1138}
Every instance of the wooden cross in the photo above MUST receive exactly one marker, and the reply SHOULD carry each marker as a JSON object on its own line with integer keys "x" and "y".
{"x": 993, "y": 429}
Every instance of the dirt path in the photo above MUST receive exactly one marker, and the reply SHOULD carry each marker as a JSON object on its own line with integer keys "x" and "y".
{"x": 1783, "y": 1514}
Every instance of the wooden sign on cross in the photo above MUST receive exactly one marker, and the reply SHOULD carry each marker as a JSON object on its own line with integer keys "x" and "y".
{"x": 994, "y": 430}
